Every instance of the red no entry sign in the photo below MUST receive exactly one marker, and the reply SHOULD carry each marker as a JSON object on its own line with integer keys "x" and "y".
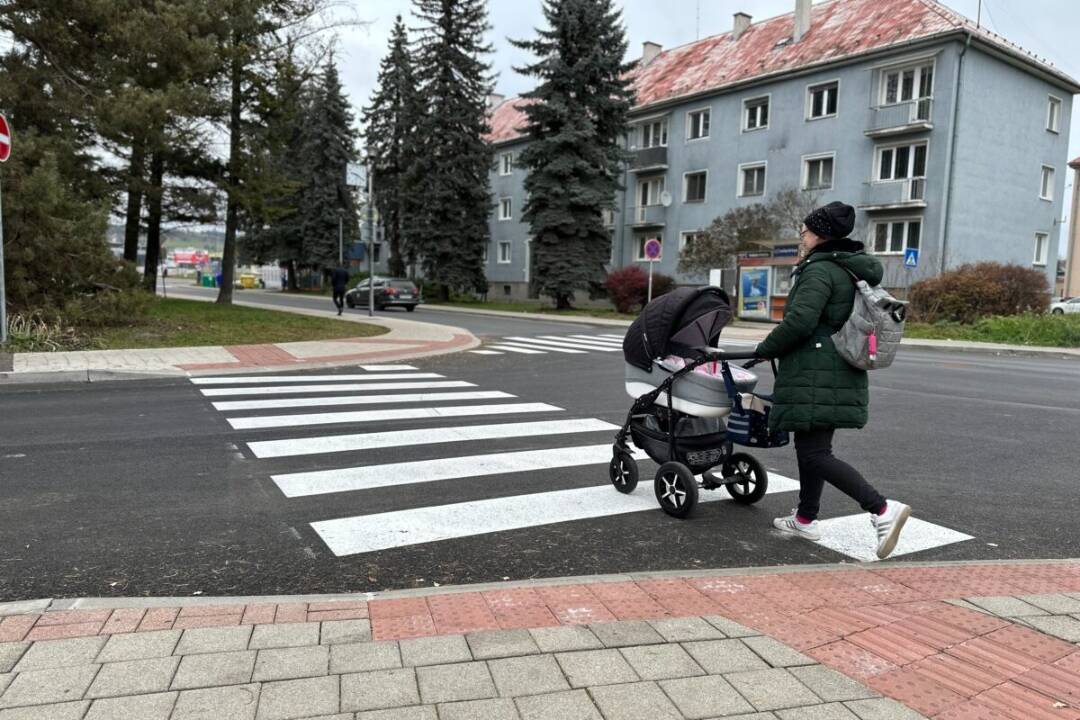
{"x": 5, "y": 139}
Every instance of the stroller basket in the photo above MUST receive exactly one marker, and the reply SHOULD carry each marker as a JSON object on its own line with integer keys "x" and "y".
{"x": 699, "y": 452}
{"x": 748, "y": 423}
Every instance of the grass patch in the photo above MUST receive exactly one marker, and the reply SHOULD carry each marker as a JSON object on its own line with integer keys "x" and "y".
{"x": 536, "y": 307}
{"x": 1036, "y": 330}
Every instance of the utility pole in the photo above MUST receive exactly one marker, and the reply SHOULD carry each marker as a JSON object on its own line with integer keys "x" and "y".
{"x": 340, "y": 241}
{"x": 3, "y": 289}
{"x": 371, "y": 239}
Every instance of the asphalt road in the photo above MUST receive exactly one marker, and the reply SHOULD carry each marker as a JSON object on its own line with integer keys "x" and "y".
{"x": 144, "y": 488}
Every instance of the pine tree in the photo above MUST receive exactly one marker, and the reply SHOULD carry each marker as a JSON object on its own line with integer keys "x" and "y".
{"x": 391, "y": 121}
{"x": 580, "y": 114}
{"x": 448, "y": 185}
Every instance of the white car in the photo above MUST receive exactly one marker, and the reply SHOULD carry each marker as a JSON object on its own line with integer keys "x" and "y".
{"x": 1072, "y": 305}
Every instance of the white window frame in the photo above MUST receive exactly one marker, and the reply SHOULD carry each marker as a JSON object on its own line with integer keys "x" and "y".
{"x": 810, "y": 100}
{"x": 639, "y": 132}
{"x": 690, "y": 114}
{"x": 509, "y": 252}
{"x": 907, "y": 220}
{"x": 912, "y": 144}
{"x": 686, "y": 186}
{"x": 655, "y": 180}
{"x": 900, "y": 67}
{"x": 1042, "y": 243}
{"x": 756, "y": 101}
{"x": 1043, "y": 182}
{"x": 506, "y": 209}
{"x": 764, "y": 164}
{"x": 640, "y": 244}
{"x": 807, "y": 159}
{"x": 506, "y": 164}
{"x": 1053, "y": 114}
{"x": 686, "y": 234}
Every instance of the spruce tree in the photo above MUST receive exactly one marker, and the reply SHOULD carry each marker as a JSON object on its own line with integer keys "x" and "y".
{"x": 448, "y": 184}
{"x": 575, "y": 124}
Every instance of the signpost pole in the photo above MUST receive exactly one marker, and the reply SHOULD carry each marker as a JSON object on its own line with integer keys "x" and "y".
{"x": 3, "y": 289}
{"x": 340, "y": 243}
{"x": 651, "y": 263}
{"x": 371, "y": 241}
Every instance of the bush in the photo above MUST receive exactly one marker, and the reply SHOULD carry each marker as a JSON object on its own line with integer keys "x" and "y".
{"x": 979, "y": 290}
{"x": 1042, "y": 330}
{"x": 628, "y": 288}
{"x": 33, "y": 332}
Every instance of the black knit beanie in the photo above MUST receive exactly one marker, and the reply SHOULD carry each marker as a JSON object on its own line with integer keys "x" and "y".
{"x": 831, "y": 222}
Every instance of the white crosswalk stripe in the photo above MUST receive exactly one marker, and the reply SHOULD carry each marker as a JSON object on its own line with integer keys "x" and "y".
{"x": 532, "y": 345}
{"x": 256, "y": 380}
{"x": 519, "y": 350}
{"x": 362, "y": 416}
{"x": 343, "y": 387}
{"x": 280, "y": 403}
{"x": 485, "y": 352}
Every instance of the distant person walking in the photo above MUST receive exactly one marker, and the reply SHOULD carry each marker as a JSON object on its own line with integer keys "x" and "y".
{"x": 816, "y": 390}
{"x": 340, "y": 280}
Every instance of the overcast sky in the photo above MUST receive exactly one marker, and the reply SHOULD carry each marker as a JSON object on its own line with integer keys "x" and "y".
{"x": 1045, "y": 27}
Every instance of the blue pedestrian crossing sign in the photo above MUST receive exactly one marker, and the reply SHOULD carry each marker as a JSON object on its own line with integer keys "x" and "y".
{"x": 911, "y": 258}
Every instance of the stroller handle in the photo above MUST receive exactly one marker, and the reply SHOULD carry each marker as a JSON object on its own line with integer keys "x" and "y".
{"x": 724, "y": 355}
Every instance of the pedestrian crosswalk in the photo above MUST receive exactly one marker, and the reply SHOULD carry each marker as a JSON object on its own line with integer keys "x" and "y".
{"x": 556, "y": 344}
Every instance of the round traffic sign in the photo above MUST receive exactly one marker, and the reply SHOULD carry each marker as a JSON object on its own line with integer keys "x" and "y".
{"x": 5, "y": 139}
{"x": 652, "y": 248}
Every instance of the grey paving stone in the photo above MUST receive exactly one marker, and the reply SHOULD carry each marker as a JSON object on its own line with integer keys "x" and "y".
{"x": 705, "y": 697}
{"x": 772, "y": 689}
{"x": 232, "y": 668}
{"x": 54, "y": 685}
{"x": 379, "y": 689}
{"x": 566, "y": 638}
{"x": 339, "y": 716}
{"x": 1006, "y": 606}
{"x": 1055, "y": 603}
{"x": 10, "y": 653}
{"x": 416, "y": 712}
{"x": 634, "y": 701}
{"x": 777, "y": 653}
{"x": 439, "y": 650}
{"x": 882, "y": 709}
{"x": 361, "y": 657}
{"x": 501, "y": 643}
{"x": 724, "y": 656}
{"x": 143, "y": 707}
{"x": 627, "y": 632}
{"x": 686, "y": 629}
{"x": 288, "y": 699}
{"x": 46, "y": 654}
{"x": 284, "y": 635}
{"x": 527, "y": 675}
{"x": 345, "y": 631}
{"x": 5, "y": 680}
{"x": 595, "y": 667}
{"x": 451, "y": 683}
{"x": 213, "y": 640}
{"x": 569, "y": 705}
{"x": 832, "y": 711}
{"x": 235, "y": 702}
{"x": 1061, "y": 626}
{"x": 293, "y": 662}
{"x": 498, "y": 709}
{"x": 751, "y": 716}
{"x": 729, "y": 627}
{"x": 139, "y": 646}
{"x": 830, "y": 685}
{"x": 64, "y": 711}
{"x": 134, "y": 677}
{"x": 660, "y": 662}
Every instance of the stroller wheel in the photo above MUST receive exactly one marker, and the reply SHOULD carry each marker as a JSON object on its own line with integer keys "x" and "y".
{"x": 676, "y": 489}
{"x": 623, "y": 472}
{"x": 747, "y": 479}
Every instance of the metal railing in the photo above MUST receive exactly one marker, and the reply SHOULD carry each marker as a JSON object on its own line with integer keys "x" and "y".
{"x": 916, "y": 113}
{"x": 645, "y": 158}
{"x": 644, "y": 215}
{"x": 901, "y": 193}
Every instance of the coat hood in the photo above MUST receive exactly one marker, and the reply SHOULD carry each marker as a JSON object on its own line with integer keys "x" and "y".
{"x": 851, "y": 255}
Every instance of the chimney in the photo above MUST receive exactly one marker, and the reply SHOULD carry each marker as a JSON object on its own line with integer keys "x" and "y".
{"x": 802, "y": 19}
{"x": 742, "y": 22}
{"x": 494, "y": 100}
{"x": 649, "y": 51}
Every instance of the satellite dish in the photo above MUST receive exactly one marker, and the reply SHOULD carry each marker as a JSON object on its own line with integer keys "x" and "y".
{"x": 665, "y": 199}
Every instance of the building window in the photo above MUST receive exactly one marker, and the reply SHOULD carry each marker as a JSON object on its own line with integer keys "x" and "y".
{"x": 1042, "y": 246}
{"x": 654, "y": 134}
{"x": 694, "y": 186}
{"x": 756, "y": 113}
{"x": 687, "y": 239}
{"x": 504, "y": 252}
{"x": 893, "y": 237}
{"x": 904, "y": 84}
{"x": 506, "y": 211}
{"x": 607, "y": 216}
{"x": 697, "y": 124}
{"x": 751, "y": 179}
{"x": 649, "y": 191}
{"x": 506, "y": 164}
{"x": 821, "y": 100}
{"x": 900, "y": 162}
{"x": 1053, "y": 114}
{"x": 818, "y": 172}
{"x": 376, "y": 251}
{"x": 1046, "y": 188}
{"x": 642, "y": 239}
{"x": 507, "y": 290}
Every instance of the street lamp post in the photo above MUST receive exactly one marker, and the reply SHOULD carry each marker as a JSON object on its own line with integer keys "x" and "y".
{"x": 371, "y": 240}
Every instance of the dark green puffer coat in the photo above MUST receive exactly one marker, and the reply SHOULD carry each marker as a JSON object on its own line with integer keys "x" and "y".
{"x": 816, "y": 389}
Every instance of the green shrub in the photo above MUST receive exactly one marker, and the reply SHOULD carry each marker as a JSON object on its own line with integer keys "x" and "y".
{"x": 975, "y": 291}
{"x": 108, "y": 308}
{"x": 628, "y": 287}
{"x": 1028, "y": 329}
{"x": 34, "y": 332}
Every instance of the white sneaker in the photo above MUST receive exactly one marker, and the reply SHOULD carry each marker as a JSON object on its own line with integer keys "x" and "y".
{"x": 889, "y": 525}
{"x": 791, "y": 526}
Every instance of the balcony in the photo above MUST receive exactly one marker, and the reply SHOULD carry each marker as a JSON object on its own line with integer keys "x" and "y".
{"x": 903, "y": 118}
{"x": 899, "y": 195}
{"x": 652, "y": 159}
{"x": 646, "y": 216}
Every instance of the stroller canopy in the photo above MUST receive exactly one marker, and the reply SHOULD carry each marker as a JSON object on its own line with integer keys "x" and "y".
{"x": 682, "y": 322}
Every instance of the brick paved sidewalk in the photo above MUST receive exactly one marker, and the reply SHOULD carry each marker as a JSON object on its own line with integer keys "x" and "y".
{"x": 956, "y": 642}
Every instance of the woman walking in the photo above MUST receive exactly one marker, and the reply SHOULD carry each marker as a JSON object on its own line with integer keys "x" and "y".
{"x": 817, "y": 391}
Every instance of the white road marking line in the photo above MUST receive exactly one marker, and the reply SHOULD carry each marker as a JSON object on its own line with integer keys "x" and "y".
{"x": 256, "y": 379}
{"x": 581, "y": 344}
{"x": 598, "y": 339}
{"x": 486, "y": 352}
{"x": 359, "y": 400}
{"x": 381, "y": 531}
{"x": 386, "y": 368}
{"x": 345, "y": 387}
{"x": 522, "y": 351}
{"x": 854, "y": 536}
{"x": 526, "y": 343}
{"x": 392, "y": 474}
{"x": 425, "y": 436}
{"x": 360, "y": 416}
{"x": 611, "y": 335}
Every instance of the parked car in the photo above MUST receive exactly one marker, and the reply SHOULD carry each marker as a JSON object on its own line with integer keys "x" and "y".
{"x": 389, "y": 292}
{"x": 1067, "y": 305}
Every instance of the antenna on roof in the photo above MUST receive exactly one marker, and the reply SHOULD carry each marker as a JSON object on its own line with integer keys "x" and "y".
{"x": 978, "y": 18}
{"x": 697, "y": 29}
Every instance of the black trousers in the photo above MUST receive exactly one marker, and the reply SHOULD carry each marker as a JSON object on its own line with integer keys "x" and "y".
{"x": 339, "y": 298}
{"x": 817, "y": 466}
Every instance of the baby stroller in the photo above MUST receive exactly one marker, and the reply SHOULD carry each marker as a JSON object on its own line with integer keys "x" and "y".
{"x": 691, "y": 405}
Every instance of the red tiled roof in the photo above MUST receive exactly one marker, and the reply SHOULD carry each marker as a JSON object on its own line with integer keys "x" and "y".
{"x": 1075, "y": 163}
{"x": 838, "y": 29}
{"x": 506, "y": 120}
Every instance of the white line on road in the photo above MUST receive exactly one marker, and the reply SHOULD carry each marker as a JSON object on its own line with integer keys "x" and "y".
{"x": 392, "y": 474}
{"x": 359, "y": 416}
{"x": 599, "y": 339}
{"x": 254, "y": 379}
{"x": 486, "y": 352}
{"x": 345, "y": 387}
{"x": 581, "y": 344}
{"x": 521, "y": 351}
{"x": 386, "y": 368}
{"x": 360, "y": 400}
{"x": 381, "y": 531}
{"x": 854, "y": 536}
{"x": 526, "y": 343}
{"x": 423, "y": 436}
{"x": 585, "y": 347}
{"x": 614, "y": 337}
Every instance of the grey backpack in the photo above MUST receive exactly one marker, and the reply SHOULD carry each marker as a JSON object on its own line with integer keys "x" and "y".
{"x": 870, "y": 337}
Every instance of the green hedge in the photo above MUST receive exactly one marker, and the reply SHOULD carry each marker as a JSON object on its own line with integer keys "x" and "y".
{"x": 1030, "y": 329}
